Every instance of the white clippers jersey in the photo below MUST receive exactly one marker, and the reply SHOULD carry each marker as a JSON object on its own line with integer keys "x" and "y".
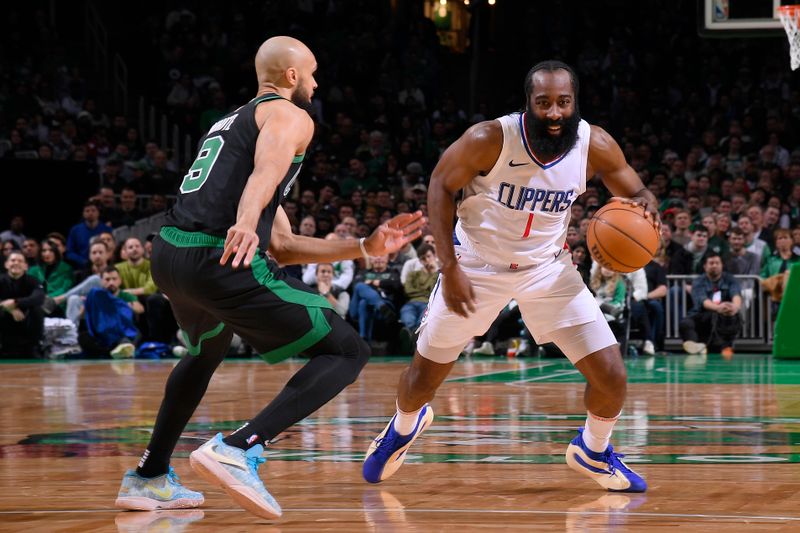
{"x": 517, "y": 215}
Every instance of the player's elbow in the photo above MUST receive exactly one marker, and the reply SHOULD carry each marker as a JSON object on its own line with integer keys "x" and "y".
{"x": 279, "y": 249}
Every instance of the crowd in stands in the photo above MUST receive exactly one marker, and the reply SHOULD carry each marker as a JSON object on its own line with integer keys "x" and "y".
{"x": 714, "y": 135}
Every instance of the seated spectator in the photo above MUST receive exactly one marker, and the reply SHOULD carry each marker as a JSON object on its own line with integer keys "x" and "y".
{"x": 21, "y": 315}
{"x": 582, "y": 261}
{"x": 80, "y": 234}
{"x": 654, "y": 305}
{"x": 8, "y": 247}
{"x": 338, "y": 297}
{"x": 609, "y": 291}
{"x": 697, "y": 247}
{"x": 418, "y": 289}
{"x": 343, "y": 272}
{"x": 128, "y": 212}
{"x": 30, "y": 249}
{"x": 740, "y": 262}
{"x": 374, "y": 295}
{"x": 775, "y": 272}
{"x": 53, "y": 273}
{"x": 751, "y": 242}
{"x": 88, "y": 279}
{"x": 716, "y": 242}
{"x": 137, "y": 279}
{"x": 109, "y": 318}
{"x": 714, "y": 319}
{"x": 14, "y": 231}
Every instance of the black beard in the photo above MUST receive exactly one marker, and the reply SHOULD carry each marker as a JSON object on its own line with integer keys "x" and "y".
{"x": 548, "y": 146}
{"x": 301, "y": 99}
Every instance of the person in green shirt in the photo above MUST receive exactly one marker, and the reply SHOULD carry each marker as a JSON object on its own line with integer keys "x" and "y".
{"x": 54, "y": 274}
{"x": 782, "y": 258}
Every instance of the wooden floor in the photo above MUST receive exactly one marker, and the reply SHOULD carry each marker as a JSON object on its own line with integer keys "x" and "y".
{"x": 718, "y": 441}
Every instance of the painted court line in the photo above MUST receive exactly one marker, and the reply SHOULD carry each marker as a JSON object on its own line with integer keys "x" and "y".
{"x": 523, "y": 368}
{"x": 615, "y": 513}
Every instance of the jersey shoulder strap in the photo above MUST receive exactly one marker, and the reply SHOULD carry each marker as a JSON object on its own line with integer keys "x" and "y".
{"x": 267, "y": 98}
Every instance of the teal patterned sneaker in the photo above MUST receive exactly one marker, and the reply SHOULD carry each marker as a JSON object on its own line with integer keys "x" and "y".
{"x": 139, "y": 493}
{"x": 236, "y": 472}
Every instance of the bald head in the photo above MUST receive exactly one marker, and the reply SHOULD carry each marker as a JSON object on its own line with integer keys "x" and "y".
{"x": 277, "y": 56}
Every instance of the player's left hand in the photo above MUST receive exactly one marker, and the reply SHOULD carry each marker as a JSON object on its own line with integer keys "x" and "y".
{"x": 650, "y": 209}
{"x": 395, "y": 233}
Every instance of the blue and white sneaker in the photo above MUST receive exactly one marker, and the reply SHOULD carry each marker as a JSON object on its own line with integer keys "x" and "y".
{"x": 236, "y": 472}
{"x": 139, "y": 493}
{"x": 606, "y": 468}
{"x": 388, "y": 451}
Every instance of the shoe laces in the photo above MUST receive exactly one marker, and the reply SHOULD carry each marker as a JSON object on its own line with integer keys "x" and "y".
{"x": 613, "y": 460}
{"x": 254, "y": 462}
{"x": 172, "y": 477}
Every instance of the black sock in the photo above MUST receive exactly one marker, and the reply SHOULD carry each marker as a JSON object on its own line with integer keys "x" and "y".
{"x": 335, "y": 363}
{"x": 185, "y": 388}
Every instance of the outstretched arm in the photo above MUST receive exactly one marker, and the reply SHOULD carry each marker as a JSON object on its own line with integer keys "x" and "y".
{"x": 290, "y": 249}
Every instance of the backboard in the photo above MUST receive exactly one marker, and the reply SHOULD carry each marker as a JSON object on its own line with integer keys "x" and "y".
{"x": 740, "y": 18}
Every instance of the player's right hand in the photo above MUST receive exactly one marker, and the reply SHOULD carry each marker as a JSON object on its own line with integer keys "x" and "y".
{"x": 240, "y": 241}
{"x": 457, "y": 291}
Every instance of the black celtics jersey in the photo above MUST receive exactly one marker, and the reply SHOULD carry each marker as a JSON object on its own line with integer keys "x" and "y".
{"x": 210, "y": 192}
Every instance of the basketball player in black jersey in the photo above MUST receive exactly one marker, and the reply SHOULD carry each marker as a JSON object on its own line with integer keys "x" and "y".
{"x": 228, "y": 211}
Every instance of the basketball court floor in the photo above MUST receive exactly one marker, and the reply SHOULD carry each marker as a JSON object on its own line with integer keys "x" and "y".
{"x": 718, "y": 441}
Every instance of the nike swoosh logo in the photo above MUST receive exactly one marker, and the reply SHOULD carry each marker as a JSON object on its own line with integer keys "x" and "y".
{"x": 512, "y": 164}
{"x": 165, "y": 493}
{"x": 223, "y": 459}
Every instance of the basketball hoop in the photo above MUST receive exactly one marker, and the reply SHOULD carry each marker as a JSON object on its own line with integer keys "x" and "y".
{"x": 790, "y": 17}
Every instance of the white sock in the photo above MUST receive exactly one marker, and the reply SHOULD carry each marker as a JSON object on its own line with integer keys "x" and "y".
{"x": 404, "y": 423}
{"x": 597, "y": 431}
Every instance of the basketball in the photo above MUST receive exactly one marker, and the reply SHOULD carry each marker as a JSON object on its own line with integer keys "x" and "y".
{"x": 621, "y": 238}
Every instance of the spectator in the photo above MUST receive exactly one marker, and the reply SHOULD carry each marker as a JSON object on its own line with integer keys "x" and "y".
{"x": 374, "y": 295}
{"x": 80, "y": 234}
{"x": 325, "y": 283}
{"x": 86, "y": 280}
{"x": 128, "y": 213}
{"x": 21, "y": 316}
{"x": 30, "y": 248}
{"x": 682, "y": 233}
{"x": 698, "y": 246}
{"x": 654, "y": 305}
{"x": 609, "y": 291}
{"x": 716, "y": 242}
{"x": 52, "y": 272}
{"x": 418, "y": 287}
{"x": 715, "y": 315}
{"x": 775, "y": 272}
{"x": 138, "y": 280}
{"x": 751, "y": 242}
{"x": 109, "y": 318}
{"x": 14, "y": 231}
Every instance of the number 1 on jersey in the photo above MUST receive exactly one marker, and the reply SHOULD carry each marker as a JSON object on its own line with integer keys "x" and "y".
{"x": 528, "y": 226}
{"x": 201, "y": 168}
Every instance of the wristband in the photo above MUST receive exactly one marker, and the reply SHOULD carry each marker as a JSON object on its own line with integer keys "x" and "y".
{"x": 363, "y": 249}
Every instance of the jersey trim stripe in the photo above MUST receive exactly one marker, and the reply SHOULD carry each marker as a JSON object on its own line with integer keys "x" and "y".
{"x": 524, "y": 137}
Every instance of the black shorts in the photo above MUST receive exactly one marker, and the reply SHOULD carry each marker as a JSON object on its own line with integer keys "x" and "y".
{"x": 277, "y": 315}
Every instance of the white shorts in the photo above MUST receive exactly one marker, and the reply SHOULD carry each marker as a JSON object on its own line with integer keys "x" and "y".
{"x": 555, "y": 304}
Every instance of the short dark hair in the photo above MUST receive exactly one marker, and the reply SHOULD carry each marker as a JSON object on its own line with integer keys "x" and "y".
{"x": 424, "y": 248}
{"x": 110, "y": 269}
{"x": 709, "y": 255}
{"x": 736, "y": 231}
{"x": 550, "y": 65}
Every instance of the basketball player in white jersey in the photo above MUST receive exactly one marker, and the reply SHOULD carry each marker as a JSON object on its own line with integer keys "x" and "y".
{"x": 520, "y": 174}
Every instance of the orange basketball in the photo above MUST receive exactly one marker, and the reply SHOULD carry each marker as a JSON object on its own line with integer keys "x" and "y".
{"x": 620, "y": 238}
